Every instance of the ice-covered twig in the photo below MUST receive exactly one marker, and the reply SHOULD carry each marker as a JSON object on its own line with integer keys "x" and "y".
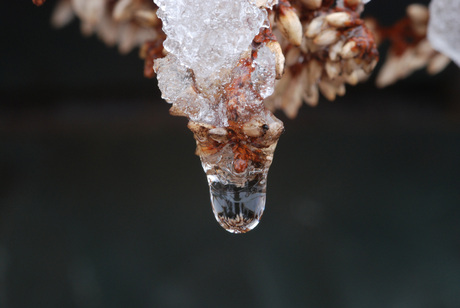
{"x": 218, "y": 70}
{"x": 217, "y": 61}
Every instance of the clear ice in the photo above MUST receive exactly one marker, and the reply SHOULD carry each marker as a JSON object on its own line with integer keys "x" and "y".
{"x": 444, "y": 28}
{"x": 236, "y": 164}
{"x": 209, "y": 35}
{"x": 217, "y": 75}
{"x": 238, "y": 209}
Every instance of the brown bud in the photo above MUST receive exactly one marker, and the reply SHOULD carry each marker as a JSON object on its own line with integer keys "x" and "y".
{"x": 352, "y": 78}
{"x": 253, "y": 129}
{"x": 332, "y": 69}
{"x": 311, "y": 94}
{"x": 218, "y": 134}
{"x": 200, "y": 130}
{"x": 335, "y": 49}
{"x": 327, "y": 37}
{"x": 315, "y": 69}
{"x": 327, "y": 89}
{"x": 314, "y": 28}
{"x": 123, "y": 10}
{"x": 418, "y": 13}
{"x": 275, "y": 47}
{"x": 147, "y": 18}
{"x": 338, "y": 19}
{"x": 349, "y": 50}
{"x": 341, "y": 89}
{"x": 437, "y": 64}
{"x": 312, "y": 4}
{"x": 174, "y": 111}
{"x": 289, "y": 24}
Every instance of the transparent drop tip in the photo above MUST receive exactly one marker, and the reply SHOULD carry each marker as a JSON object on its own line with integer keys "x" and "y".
{"x": 238, "y": 209}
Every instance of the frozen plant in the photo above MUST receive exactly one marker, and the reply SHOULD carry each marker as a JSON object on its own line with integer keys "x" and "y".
{"x": 217, "y": 71}
{"x": 225, "y": 65}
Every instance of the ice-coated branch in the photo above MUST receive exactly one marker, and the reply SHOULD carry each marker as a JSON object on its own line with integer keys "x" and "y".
{"x": 218, "y": 70}
{"x": 225, "y": 65}
{"x": 326, "y": 47}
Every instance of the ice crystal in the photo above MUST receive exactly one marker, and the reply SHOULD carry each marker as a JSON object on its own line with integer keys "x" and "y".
{"x": 177, "y": 86}
{"x": 263, "y": 77}
{"x": 205, "y": 41}
{"x": 207, "y": 36}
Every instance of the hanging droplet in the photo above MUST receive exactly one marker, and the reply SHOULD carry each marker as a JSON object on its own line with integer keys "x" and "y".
{"x": 238, "y": 209}
{"x": 236, "y": 160}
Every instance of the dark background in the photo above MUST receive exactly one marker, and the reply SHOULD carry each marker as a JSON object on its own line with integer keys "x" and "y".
{"x": 103, "y": 203}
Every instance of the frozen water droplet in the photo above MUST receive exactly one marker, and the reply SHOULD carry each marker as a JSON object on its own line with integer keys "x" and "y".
{"x": 236, "y": 166}
{"x": 238, "y": 209}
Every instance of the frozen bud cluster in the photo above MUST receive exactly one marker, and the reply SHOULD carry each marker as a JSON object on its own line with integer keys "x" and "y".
{"x": 326, "y": 47}
{"x": 236, "y": 160}
{"x": 204, "y": 51}
{"x": 178, "y": 86}
{"x": 326, "y": 43}
{"x": 263, "y": 77}
{"x": 222, "y": 62}
{"x": 217, "y": 61}
{"x": 209, "y": 35}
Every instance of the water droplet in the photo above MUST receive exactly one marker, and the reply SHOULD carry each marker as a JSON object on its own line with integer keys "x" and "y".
{"x": 238, "y": 209}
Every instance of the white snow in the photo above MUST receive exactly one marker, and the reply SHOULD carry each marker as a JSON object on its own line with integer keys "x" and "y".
{"x": 444, "y": 28}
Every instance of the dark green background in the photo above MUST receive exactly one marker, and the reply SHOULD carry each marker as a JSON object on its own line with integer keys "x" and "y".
{"x": 103, "y": 204}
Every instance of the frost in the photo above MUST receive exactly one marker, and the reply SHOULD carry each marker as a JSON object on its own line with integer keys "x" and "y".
{"x": 206, "y": 41}
{"x": 444, "y": 28}
{"x": 207, "y": 36}
{"x": 263, "y": 77}
{"x": 176, "y": 84}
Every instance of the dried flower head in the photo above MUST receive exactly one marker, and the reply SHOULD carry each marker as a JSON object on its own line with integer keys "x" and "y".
{"x": 126, "y": 23}
{"x": 218, "y": 71}
{"x": 410, "y": 49}
{"x": 320, "y": 45}
{"x": 326, "y": 47}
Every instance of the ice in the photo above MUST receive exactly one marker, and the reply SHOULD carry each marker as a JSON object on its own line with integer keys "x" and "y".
{"x": 176, "y": 84}
{"x": 238, "y": 209}
{"x": 444, "y": 28}
{"x": 207, "y": 36}
{"x": 237, "y": 197}
{"x": 237, "y": 183}
{"x": 205, "y": 41}
{"x": 177, "y": 78}
{"x": 263, "y": 77}
{"x": 216, "y": 77}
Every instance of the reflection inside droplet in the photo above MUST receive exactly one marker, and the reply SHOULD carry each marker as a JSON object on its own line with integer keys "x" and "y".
{"x": 238, "y": 209}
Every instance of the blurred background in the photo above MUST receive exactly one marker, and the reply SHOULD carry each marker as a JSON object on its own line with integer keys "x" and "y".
{"x": 104, "y": 204}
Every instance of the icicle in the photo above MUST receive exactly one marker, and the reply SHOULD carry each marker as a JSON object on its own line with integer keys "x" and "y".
{"x": 219, "y": 69}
